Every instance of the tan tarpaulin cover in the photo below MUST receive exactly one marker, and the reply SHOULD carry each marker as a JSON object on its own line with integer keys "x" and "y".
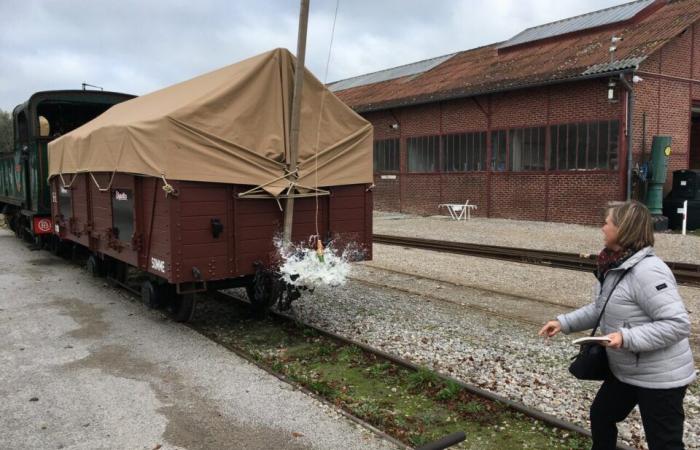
{"x": 227, "y": 126}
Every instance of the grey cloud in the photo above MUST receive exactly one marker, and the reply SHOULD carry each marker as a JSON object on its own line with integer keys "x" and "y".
{"x": 140, "y": 46}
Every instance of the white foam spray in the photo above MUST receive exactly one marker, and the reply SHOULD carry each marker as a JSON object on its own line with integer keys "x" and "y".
{"x": 302, "y": 266}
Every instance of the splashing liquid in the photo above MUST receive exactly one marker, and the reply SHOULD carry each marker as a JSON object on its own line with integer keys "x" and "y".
{"x": 305, "y": 267}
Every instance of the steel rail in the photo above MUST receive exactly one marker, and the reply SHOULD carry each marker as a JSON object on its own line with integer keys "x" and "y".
{"x": 514, "y": 405}
{"x": 685, "y": 273}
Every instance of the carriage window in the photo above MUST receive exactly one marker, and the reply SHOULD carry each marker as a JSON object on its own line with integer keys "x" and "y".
{"x": 123, "y": 213}
{"x": 22, "y": 128}
{"x": 44, "y": 127}
{"x": 65, "y": 203}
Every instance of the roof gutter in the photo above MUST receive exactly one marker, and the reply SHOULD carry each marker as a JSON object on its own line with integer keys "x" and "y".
{"x": 454, "y": 95}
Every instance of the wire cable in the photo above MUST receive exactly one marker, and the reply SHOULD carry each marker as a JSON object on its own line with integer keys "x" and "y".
{"x": 320, "y": 114}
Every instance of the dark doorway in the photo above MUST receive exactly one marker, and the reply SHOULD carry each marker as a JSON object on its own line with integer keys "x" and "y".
{"x": 694, "y": 156}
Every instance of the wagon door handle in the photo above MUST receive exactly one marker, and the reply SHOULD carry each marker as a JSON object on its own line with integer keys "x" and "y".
{"x": 216, "y": 227}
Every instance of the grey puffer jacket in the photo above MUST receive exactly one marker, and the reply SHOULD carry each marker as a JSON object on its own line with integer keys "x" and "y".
{"x": 646, "y": 307}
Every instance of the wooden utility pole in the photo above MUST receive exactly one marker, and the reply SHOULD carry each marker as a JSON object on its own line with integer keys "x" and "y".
{"x": 296, "y": 116}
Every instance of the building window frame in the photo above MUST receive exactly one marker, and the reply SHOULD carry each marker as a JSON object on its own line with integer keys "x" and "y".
{"x": 527, "y": 136}
{"x": 387, "y": 155}
{"x": 569, "y": 154}
{"x": 466, "y": 149}
{"x": 423, "y": 154}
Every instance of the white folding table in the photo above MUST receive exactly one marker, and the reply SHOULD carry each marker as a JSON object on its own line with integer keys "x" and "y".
{"x": 458, "y": 210}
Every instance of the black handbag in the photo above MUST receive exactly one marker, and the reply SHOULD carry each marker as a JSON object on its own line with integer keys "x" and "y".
{"x": 591, "y": 362}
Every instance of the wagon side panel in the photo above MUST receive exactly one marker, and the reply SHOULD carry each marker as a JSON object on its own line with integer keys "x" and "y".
{"x": 310, "y": 218}
{"x": 156, "y": 252}
{"x": 256, "y": 222}
{"x": 79, "y": 223}
{"x": 202, "y": 224}
{"x": 350, "y": 216}
{"x": 114, "y": 206}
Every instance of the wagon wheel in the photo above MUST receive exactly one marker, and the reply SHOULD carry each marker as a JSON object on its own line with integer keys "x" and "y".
{"x": 39, "y": 242}
{"x": 95, "y": 267}
{"x": 10, "y": 221}
{"x": 153, "y": 294}
{"x": 19, "y": 231}
{"x": 183, "y": 306}
{"x": 261, "y": 294}
{"x": 56, "y": 246}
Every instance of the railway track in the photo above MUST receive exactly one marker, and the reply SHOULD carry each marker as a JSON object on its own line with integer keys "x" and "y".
{"x": 241, "y": 351}
{"x": 685, "y": 273}
{"x": 381, "y": 355}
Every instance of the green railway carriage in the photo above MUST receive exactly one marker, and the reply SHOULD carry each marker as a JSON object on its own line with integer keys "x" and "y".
{"x": 24, "y": 191}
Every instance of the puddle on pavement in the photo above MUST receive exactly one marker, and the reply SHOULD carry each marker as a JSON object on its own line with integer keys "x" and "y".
{"x": 88, "y": 317}
{"x": 193, "y": 422}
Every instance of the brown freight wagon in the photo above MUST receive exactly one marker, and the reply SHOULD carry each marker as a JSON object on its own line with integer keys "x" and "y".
{"x": 188, "y": 183}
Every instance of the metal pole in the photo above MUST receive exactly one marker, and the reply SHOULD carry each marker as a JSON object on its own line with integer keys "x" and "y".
{"x": 630, "y": 110}
{"x": 296, "y": 116}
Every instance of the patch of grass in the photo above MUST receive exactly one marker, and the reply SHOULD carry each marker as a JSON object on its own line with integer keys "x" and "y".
{"x": 419, "y": 439}
{"x": 471, "y": 408}
{"x": 379, "y": 369}
{"x": 309, "y": 332}
{"x": 322, "y": 388}
{"x": 325, "y": 350}
{"x": 300, "y": 351}
{"x": 449, "y": 392}
{"x": 350, "y": 354}
{"x": 422, "y": 379}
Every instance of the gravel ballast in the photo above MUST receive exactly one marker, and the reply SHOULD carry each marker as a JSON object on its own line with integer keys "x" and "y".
{"x": 525, "y": 234}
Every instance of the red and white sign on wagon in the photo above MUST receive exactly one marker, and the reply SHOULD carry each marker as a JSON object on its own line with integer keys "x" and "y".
{"x": 42, "y": 225}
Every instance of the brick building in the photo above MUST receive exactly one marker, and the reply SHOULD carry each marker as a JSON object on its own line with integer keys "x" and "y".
{"x": 525, "y": 128}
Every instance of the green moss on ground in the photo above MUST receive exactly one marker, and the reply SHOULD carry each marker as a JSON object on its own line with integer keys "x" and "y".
{"x": 415, "y": 407}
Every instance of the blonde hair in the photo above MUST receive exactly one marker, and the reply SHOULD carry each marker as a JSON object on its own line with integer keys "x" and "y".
{"x": 635, "y": 228}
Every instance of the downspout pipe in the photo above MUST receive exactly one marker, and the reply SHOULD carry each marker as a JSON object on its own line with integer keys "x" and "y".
{"x": 630, "y": 114}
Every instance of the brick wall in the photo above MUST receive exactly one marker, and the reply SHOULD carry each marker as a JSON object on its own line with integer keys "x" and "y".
{"x": 575, "y": 197}
{"x": 666, "y": 101}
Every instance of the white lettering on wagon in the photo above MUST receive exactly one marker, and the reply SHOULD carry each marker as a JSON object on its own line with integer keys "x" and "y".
{"x": 121, "y": 195}
{"x": 158, "y": 264}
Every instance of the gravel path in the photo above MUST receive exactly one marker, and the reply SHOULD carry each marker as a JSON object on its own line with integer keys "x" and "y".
{"x": 497, "y": 353}
{"x": 525, "y": 234}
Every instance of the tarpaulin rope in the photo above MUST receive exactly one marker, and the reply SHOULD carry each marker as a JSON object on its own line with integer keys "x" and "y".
{"x": 63, "y": 182}
{"x": 100, "y": 188}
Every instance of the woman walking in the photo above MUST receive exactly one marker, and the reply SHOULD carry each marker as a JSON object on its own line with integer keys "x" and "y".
{"x": 648, "y": 353}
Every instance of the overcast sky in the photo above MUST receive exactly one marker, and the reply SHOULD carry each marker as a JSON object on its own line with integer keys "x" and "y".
{"x": 138, "y": 46}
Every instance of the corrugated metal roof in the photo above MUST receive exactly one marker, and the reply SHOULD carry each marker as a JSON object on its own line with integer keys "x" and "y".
{"x": 389, "y": 74}
{"x": 621, "y": 64}
{"x": 485, "y": 69}
{"x": 595, "y": 19}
